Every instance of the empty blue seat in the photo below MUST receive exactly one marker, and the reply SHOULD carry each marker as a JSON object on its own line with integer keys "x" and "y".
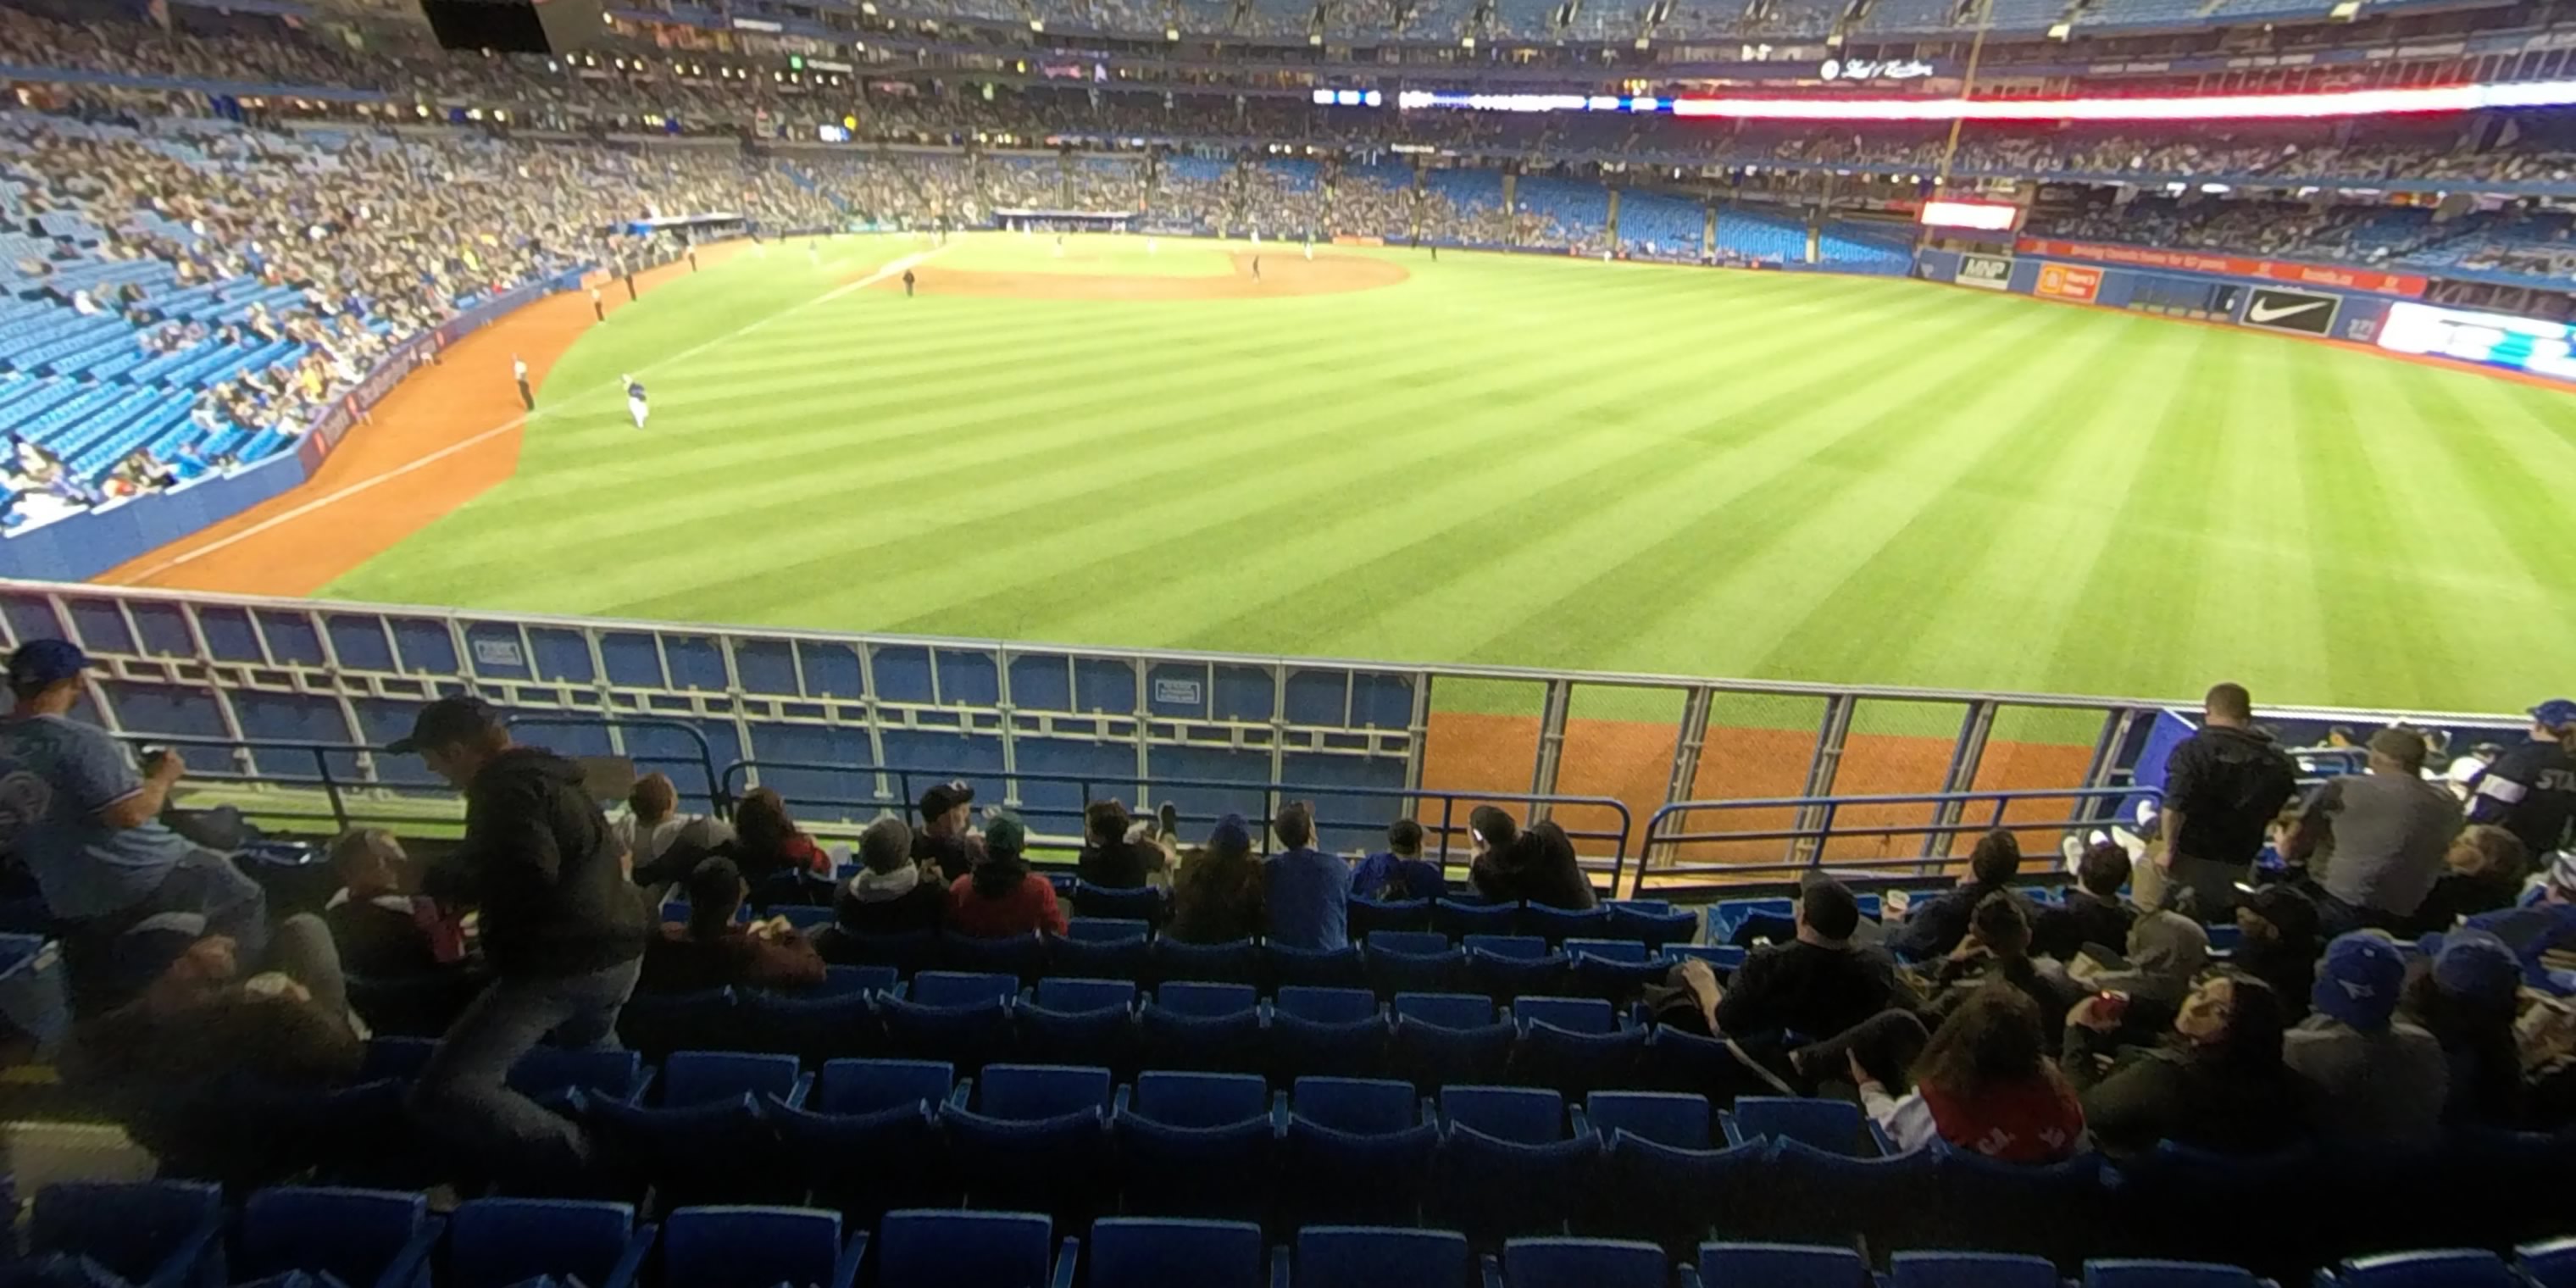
{"x": 1817, "y": 1195}
{"x": 2550, "y": 1265}
{"x": 869, "y": 1086}
{"x": 363, "y": 1237}
{"x": 1969, "y": 1270}
{"x": 494, "y": 1243}
{"x": 1508, "y": 974}
{"x": 1522, "y": 1115}
{"x": 1371, "y": 916}
{"x": 1458, "y": 918}
{"x": 1556, "y": 925}
{"x": 1231, "y": 1040}
{"x": 1197, "y": 1144}
{"x": 2432, "y": 1268}
{"x": 1572, "y": 1014}
{"x": 1124, "y": 903}
{"x": 1063, "y": 994}
{"x": 1130, "y": 1252}
{"x": 846, "y": 980}
{"x": 1448, "y": 1010}
{"x": 1666, "y": 1118}
{"x": 1404, "y": 961}
{"x": 1021, "y": 957}
{"x": 1287, "y": 967}
{"x": 1327, "y": 1005}
{"x": 1355, "y": 1149}
{"x": 1238, "y": 962}
{"x": 1668, "y": 1193}
{"x": 1442, "y": 1038}
{"x": 657, "y": 1024}
{"x": 1036, "y": 1140}
{"x": 1080, "y": 1021}
{"x": 1834, "y": 1126}
{"x": 1657, "y": 929}
{"x": 1780, "y": 1265}
{"x": 550, "y": 1073}
{"x": 1027, "y": 1092}
{"x": 860, "y": 1113}
{"x": 944, "y": 1249}
{"x": 961, "y": 988}
{"x": 1130, "y": 958}
{"x": 1326, "y": 1032}
{"x": 908, "y": 952}
{"x": 1583, "y": 1263}
{"x": 757, "y": 1247}
{"x": 1612, "y": 950}
{"x": 1107, "y": 930}
{"x": 1206, "y": 1001}
{"x": 700, "y": 1077}
{"x": 2127, "y": 1273}
{"x": 1517, "y": 947}
{"x": 1344, "y": 1256}
{"x": 829, "y": 1027}
{"x": 164, "y": 1234}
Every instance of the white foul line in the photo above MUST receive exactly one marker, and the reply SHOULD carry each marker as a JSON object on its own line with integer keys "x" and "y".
{"x": 892, "y": 268}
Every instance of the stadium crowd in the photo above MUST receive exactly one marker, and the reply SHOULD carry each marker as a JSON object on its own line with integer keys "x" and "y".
{"x": 2400, "y": 936}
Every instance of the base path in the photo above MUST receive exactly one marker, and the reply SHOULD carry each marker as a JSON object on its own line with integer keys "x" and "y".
{"x": 1288, "y": 273}
{"x": 444, "y": 436}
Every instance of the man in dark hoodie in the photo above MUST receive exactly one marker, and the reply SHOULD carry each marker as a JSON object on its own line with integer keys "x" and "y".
{"x": 562, "y": 929}
{"x": 2223, "y": 786}
{"x": 892, "y": 894}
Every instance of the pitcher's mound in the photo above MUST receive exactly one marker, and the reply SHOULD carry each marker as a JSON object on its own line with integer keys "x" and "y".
{"x": 1281, "y": 274}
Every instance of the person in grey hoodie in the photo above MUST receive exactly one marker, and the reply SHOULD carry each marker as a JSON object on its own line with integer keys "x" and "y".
{"x": 892, "y": 894}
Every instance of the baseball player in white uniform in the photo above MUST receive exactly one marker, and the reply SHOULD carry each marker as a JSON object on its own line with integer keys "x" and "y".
{"x": 635, "y": 406}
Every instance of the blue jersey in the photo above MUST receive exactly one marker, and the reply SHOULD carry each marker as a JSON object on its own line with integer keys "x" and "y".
{"x": 635, "y": 392}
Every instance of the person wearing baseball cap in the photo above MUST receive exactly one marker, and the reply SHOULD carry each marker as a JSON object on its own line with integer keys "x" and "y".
{"x": 2543, "y": 925}
{"x": 2530, "y": 790}
{"x": 563, "y": 931}
{"x": 89, "y": 827}
{"x": 2380, "y": 1080}
{"x": 2277, "y": 942}
{"x": 2467, "y": 1002}
{"x": 944, "y": 838}
{"x": 1002, "y": 898}
{"x": 2385, "y": 832}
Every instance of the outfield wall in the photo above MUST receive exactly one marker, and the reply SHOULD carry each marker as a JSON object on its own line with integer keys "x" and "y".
{"x": 2309, "y": 301}
{"x": 84, "y": 545}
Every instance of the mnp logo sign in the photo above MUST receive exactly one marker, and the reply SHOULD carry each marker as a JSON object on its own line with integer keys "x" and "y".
{"x": 2303, "y": 312}
{"x": 1992, "y": 272}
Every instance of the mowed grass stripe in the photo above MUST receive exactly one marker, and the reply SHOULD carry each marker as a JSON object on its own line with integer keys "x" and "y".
{"x": 1546, "y": 462}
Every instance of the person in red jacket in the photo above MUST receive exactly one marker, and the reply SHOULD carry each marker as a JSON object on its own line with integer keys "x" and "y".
{"x": 1001, "y": 897}
{"x": 1985, "y": 1085}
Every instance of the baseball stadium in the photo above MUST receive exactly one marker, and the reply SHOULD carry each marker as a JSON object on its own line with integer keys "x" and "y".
{"x": 1291, "y": 643}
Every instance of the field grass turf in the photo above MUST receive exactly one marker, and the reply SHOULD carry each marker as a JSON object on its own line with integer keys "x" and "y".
{"x": 1545, "y": 462}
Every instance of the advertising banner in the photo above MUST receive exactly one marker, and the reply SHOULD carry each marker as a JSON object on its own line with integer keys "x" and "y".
{"x": 2496, "y": 339}
{"x": 2068, "y": 282}
{"x": 1989, "y": 272}
{"x": 2303, "y": 312}
{"x": 2350, "y": 279}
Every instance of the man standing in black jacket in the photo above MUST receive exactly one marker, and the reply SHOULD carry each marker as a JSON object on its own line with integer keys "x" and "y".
{"x": 2223, "y": 786}
{"x": 562, "y": 929}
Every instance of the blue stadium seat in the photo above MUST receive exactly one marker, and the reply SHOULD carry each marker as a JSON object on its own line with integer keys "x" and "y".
{"x": 154, "y": 1234}
{"x": 1556, "y": 925}
{"x": 1970, "y": 1270}
{"x": 811, "y": 1028}
{"x": 1506, "y": 967}
{"x": 494, "y": 1243}
{"x": 1286, "y": 967}
{"x": 1457, "y": 918}
{"x": 1080, "y": 1021}
{"x": 1817, "y": 1195}
{"x": 1780, "y": 1265}
{"x": 1522, "y": 1115}
{"x": 842, "y": 981}
{"x": 362, "y": 1237}
{"x": 908, "y": 953}
{"x": 2127, "y": 1273}
{"x": 1238, "y": 962}
{"x": 1345, "y": 1256}
{"x": 1657, "y": 929}
{"x": 1338, "y": 1032}
{"x": 942, "y": 1249}
{"x": 1197, "y": 1144}
{"x": 2551, "y": 1264}
{"x": 1021, "y": 957}
{"x": 1206, "y": 1001}
{"x": 1036, "y": 1139}
{"x": 2436, "y": 1268}
{"x": 549, "y": 1074}
{"x": 807, "y": 918}
{"x": 1129, "y": 1252}
{"x": 1572, "y": 1014}
{"x": 859, "y": 1113}
{"x": 1584, "y": 1263}
{"x": 657, "y": 1024}
{"x": 1666, "y": 1118}
{"x": 702, "y": 1077}
{"x": 962, "y": 988}
{"x": 1107, "y": 930}
{"x": 1443, "y": 1038}
{"x": 758, "y": 1247}
{"x": 1668, "y": 1193}
{"x": 868, "y": 1086}
{"x": 1371, "y": 916}
{"x": 1508, "y": 1162}
{"x": 1833, "y": 1125}
{"x": 1136, "y": 903}
{"x": 1411, "y": 961}
{"x": 1515, "y": 947}
{"x": 1355, "y": 1149}
{"x": 962, "y": 1018}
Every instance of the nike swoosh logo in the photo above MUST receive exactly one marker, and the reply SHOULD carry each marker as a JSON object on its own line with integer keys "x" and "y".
{"x": 2269, "y": 313}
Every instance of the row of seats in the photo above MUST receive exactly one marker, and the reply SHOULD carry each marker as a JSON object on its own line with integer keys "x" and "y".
{"x": 176, "y": 1233}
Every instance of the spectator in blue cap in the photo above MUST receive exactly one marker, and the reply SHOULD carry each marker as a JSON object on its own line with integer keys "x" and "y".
{"x": 2530, "y": 790}
{"x": 2380, "y": 1081}
{"x": 2466, "y": 1001}
{"x": 1219, "y": 896}
{"x": 89, "y": 827}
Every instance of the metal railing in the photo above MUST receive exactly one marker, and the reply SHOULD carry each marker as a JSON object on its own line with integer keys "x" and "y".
{"x": 712, "y": 784}
{"x": 242, "y": 766}
{"x": 1820, "y": 820}
{"x": 1408, "y": 801}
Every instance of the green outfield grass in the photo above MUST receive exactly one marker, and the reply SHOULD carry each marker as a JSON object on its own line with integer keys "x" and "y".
{"x": 1546, "y": 462}
{"x": 1125, "y": 256}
